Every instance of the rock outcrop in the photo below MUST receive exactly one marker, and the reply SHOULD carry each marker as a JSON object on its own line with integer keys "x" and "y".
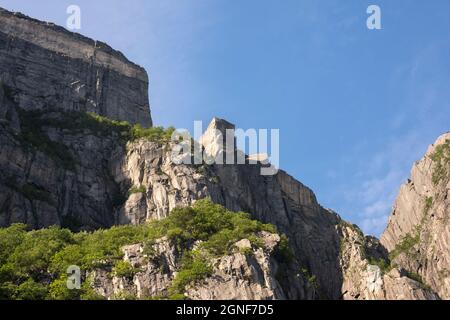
{"x": 153, "y": 274}
{"x": 367, "y": 274}
{"x": 47, "y": 67}
{"x": 280, "y": 200}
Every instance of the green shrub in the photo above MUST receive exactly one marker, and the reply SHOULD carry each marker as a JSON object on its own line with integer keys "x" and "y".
{"x": 32, "y": 256}
{"x": 134, "y": 189}
{"x": 220, "y": 243}
{"x": 7, "y": 290}
{"x": 246, "y": 251}
{"x": 90, "y": 294}
{"x": 124, "y": 295}
{"x": 124, "y": 269}
{"x": 428, "y": 205}
{"x": 30, "y": 290}
{"x": 216, "y": 227}
{"x": 10, "y": 238}
{"x": 102, "y": 125}
{"x": 441, "y": 159}
{"x": 407, "y": 243}
{"x": 194, "y": 267}
{"x": 58, "y": 290}
{"x": 312, "y": 279}
{"x": 283, "y": 251}
{"x": 155, "y": 134}
{"x": 384, "y": 265}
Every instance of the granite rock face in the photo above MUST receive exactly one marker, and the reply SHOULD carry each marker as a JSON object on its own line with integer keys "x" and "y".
{"x": 47, "y": 67}
{"x": 418, "y": 233}
{"x": 280, "y": 200}
{"x": 412, "y": 259}
{"x": 53, "y": 175}
{"x": 367, "y": 274}
{"x": 242, "y": 276}
{"x": 153, "y": 274}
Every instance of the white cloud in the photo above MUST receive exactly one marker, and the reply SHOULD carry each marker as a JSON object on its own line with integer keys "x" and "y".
{"x": 376, "y": 225}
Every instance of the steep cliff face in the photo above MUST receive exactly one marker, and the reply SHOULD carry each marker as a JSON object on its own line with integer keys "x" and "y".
{"x": 278, "y": 199}
{"x": 62, "y": 166}
{"x": 412, "y": 259}
{"x": 46, "y": 67}
{"x": 54, "y": 169}
{"x": 418, "y": 232}
{"x": 78, "y": 172}
{"x": 54, "y": 158}
{"x": 368, "y": 275}
{"x": 88, "y": 175}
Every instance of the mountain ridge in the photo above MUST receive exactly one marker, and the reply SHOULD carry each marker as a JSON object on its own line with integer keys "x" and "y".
{"x": 76, "y": 158}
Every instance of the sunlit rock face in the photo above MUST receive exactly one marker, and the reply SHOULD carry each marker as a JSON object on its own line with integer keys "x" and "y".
{"x": 279, "y": 199}
{"x": 234, "y": 276}
{"x": 363, "y": 278}
{"x": 418, "y": 232}
{"x": 90, "y": 176}
{"x": 218, "y": 141}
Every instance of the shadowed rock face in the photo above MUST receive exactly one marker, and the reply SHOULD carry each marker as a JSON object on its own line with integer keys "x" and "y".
{"x": 46, "y": 67}
{"x": 53, "y": 175}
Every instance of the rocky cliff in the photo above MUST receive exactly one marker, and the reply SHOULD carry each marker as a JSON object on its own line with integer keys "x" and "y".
{"x": 65, "y": 160}
{"x": 46, "y": 67}
{"x": 247, "y": 273}
{"x": 369, "y": 275}
{"x": 418, "y": 232}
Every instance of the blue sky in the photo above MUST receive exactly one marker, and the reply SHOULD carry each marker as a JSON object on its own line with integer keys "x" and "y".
{"x": 355, "y": 107}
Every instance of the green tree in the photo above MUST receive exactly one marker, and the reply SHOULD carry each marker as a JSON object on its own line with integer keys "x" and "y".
{"x": 30, "y": 290}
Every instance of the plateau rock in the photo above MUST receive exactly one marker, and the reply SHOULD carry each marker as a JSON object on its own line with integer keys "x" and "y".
{"x": 44, "y": 67}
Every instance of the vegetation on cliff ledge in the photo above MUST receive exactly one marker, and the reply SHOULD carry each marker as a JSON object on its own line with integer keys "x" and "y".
{"x": 405, "y": 245}
{"x": 441, "y": 159}
{"x": 33, "y": 264}
{"x": 35, "y": 124}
